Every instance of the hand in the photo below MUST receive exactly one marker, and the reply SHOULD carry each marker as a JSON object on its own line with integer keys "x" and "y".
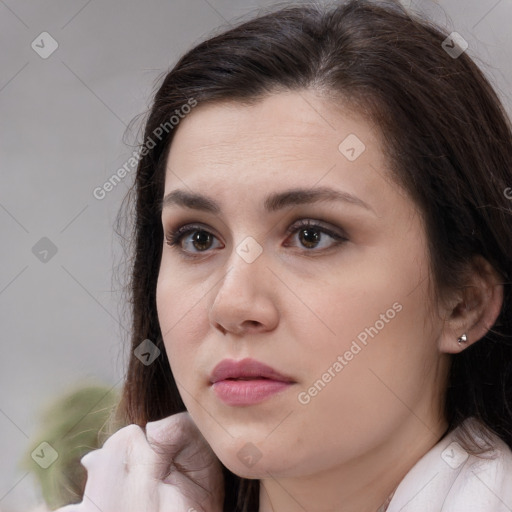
{"x": 171, "y": 467}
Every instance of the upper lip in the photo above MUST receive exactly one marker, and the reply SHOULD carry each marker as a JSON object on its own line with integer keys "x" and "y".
{"x": 231, "y": 369}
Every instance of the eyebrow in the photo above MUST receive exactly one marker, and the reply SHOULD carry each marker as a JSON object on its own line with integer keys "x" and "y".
{"x": 272, "y": 203}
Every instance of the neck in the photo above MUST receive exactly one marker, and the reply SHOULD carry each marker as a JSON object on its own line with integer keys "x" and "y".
{"x": 359, "y": 485}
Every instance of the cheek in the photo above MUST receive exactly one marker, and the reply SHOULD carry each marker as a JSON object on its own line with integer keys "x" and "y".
{"x": 181, "y": 316}
{"x": 361, "y": 387}
{"x": 379, "y": 343}
{"x": 361, "y": 301}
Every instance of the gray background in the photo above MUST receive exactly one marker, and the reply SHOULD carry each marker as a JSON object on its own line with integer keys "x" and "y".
{"x": 61, "y": 135}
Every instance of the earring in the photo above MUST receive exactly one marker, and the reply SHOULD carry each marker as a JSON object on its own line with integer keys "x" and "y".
{"x": 462, "y": 339}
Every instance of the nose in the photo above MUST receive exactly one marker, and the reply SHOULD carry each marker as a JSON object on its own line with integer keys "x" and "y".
{"x": 245, "y": 298}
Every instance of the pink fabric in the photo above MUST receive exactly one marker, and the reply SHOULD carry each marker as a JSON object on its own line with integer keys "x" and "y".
{"x": 448, "y": 479}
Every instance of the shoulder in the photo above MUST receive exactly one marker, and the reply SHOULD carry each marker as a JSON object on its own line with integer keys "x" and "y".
{"x": 447, "y": 478}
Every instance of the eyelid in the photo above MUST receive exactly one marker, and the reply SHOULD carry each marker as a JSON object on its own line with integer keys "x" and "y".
{"x": 175, "y": 235}
{"x": 338, "y": 235}
{"x": 300, "y": 222}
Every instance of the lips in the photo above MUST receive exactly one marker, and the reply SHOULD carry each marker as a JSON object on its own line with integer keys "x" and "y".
{"x": 246, "y": 369}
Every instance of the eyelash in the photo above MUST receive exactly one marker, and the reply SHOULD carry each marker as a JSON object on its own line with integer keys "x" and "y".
{"x": 174, "y": 237}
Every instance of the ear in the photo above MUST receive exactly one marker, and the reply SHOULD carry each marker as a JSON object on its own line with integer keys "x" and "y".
{"x": 473, "y": 309}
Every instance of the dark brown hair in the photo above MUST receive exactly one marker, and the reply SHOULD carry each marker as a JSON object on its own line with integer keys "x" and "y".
{"x": 449, "y": 145}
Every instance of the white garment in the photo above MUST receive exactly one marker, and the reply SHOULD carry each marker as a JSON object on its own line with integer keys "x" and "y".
{"x": 448, "y": 479}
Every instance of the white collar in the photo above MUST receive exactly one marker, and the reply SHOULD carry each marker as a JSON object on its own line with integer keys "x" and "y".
{"x": 448, "y": 479}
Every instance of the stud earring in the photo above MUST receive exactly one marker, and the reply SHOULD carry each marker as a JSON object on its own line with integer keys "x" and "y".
{"x": 462, "y": 339}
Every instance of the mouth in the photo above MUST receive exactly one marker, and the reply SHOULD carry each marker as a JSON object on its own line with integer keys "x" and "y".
{"x": 246, "y": 382}
{"x": 248, "y": 378}
{"x": 246, "y": 392}
{"x": 245, "y": 370}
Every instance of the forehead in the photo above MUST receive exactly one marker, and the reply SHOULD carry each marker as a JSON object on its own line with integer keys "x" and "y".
{"x": 291, "y": 124}
{"x": 287, "y": 139}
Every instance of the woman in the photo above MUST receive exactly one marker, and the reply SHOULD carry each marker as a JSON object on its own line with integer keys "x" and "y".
{"x": 323, "y": 250}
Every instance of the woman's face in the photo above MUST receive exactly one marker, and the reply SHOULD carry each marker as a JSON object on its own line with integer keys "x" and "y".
{"x": 342, "y": 308}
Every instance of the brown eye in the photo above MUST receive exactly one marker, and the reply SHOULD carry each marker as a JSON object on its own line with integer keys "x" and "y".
{"x": 310, "y": 238}
{"x": 200, "y": 239}
{"x": 311, "y": 235}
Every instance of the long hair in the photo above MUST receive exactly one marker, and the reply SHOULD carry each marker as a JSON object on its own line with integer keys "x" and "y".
{"x": 447, "y": 136}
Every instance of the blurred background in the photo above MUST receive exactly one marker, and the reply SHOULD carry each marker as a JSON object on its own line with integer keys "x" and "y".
{"x": 73, "y": 74}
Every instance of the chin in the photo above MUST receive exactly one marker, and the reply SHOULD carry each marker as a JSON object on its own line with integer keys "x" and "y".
{"x": 249, "y": 473}
{"x": 249, "y": 461}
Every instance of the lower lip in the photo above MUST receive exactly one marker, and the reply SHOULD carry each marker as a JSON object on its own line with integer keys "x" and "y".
{"x": 247, "y": 392}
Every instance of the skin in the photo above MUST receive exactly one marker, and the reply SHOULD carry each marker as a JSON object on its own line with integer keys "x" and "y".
{"x": 297, "y": 308}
